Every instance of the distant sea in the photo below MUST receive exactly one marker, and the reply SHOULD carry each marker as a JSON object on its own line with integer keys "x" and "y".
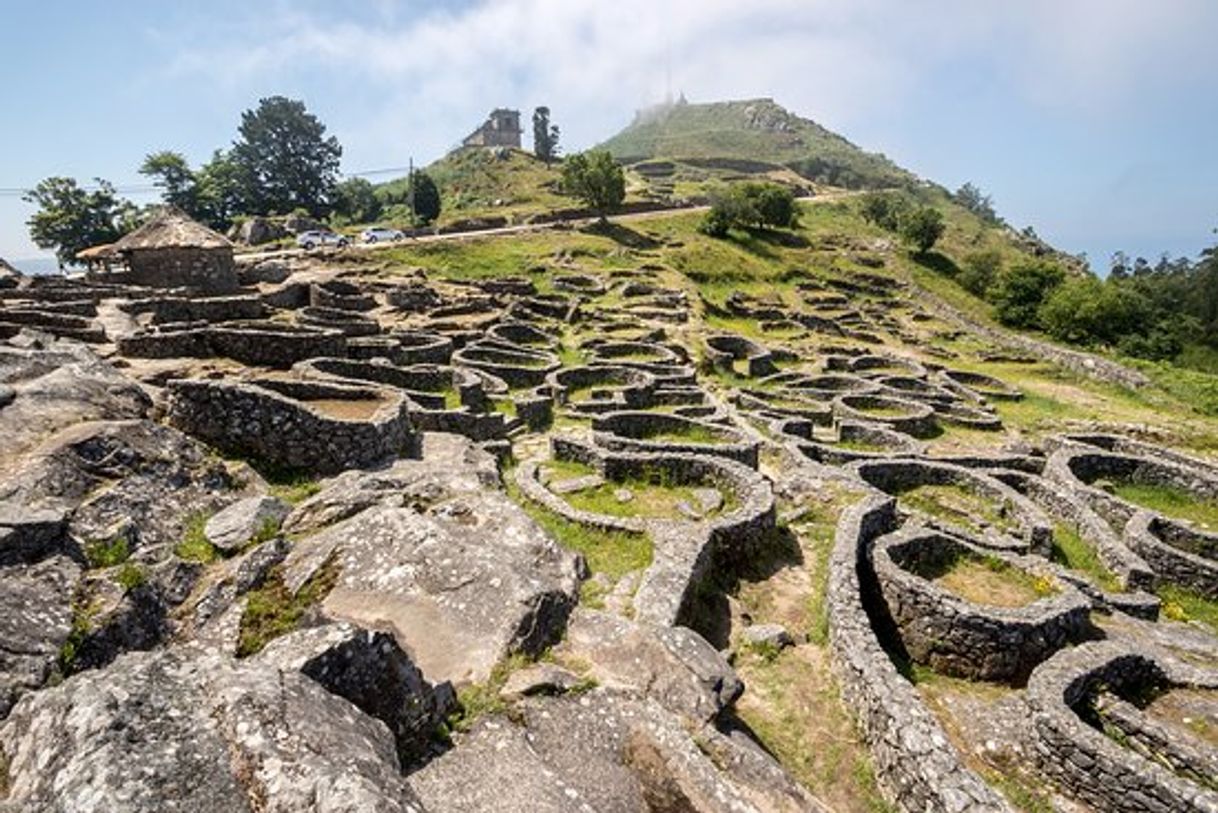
{"x": 36, "y": 266}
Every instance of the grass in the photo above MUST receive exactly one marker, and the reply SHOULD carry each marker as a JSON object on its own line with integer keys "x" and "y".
{"x": 131, "y": 575}
{"x": 1182, "y": 604}
{"x": 272, "y": 610}
{"x": 1171, "y": 501}
{"x": 694, "y": 433}
{"x": 1073, "y": 552}
{"x": 84, "y": 612}
{"x": 193, "y": 546}
{"x": 958, "y": 506}
{"x": 613, "y": 553}
{"x": 650, "y": 498}
{"x": 559, "y": 470}
{"x": 480, "y": 699}
{"x": 989, "y": 580}
{"x": 107, "y": 553}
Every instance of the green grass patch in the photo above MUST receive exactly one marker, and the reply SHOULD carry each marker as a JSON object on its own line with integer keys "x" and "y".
{"x": 988, "y": 580}
{"x": 1073, "y": 552}
{"x": 194, "y": 547}
{"x": 693, "y": 433}
{"x": 958, "y": 506}
{"x": 480, "y": 699}
{"x": 107, "y": 553}
{"x": 613, "y": 553}
{"x": 1171, "y": 501}
{"x": 1182, "y": 604}
{"x": 566, "y": 469}
{"x": 649, "y": 498}
{"x": 131, "y": 576}
{"x": 272, "y": 610}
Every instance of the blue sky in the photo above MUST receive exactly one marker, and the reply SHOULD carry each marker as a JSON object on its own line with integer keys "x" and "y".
{"x": 1092, "y": 120}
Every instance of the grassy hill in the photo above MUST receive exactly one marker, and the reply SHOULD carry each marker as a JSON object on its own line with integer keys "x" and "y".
{"x": 477, "y": 182}
{"x": 751, "y": 136}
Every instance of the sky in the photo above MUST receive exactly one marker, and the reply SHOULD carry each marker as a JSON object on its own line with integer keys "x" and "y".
{"x": 1091, "y": 120}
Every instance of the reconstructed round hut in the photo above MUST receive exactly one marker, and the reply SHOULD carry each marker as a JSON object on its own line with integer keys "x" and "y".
{"x": 173, "y": 251}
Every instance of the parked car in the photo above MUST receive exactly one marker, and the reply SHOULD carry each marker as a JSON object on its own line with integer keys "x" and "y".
{"x": 312, "y": 239}
{"x": 381, "y": 235}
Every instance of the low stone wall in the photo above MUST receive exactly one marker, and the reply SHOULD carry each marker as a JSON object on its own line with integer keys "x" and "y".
{"x": 614, "y": 388}
{"x": 722, "y": 351}
{"x": 894, "y": 444}
{"x": 957, "y": 637}
{"x": 785, "y": 404}
{"x": 519, "y": 368}
{"x": 899, "y": 414}
{"x": 423, "y": 347}
{"x": 259, "y": 344}
{"x": 1097, "y": 769}
{"x": 895, "y": 477}
{"x": 169, "y": 309}
{"x": 632, "y": 432}
{"x": 980, "y": 386}
{"x": 349, "y": 323}
{"x": 916, "y": 766}
{"x": 1079, "y": 468}
{"x": 340, "y": 296}
{"x": 686, "y": 552}
{"x": 1177, "y": 553}
{"x": 1062, "y": 506}
{"x": 272, "y": 421}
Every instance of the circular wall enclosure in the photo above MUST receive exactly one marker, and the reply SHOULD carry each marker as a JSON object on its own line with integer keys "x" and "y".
{"x": 1177, "y": 552}
{"x": 859, "y": 440}
{"x": 899, "y": 414}
{"x": 1029, "y": 527}
{"x": 662, "y": 432}
{"x": 964, "y": 638}
{"x": 315, "y": 426}
{"x": 983, "y": 385}
{"x": 602, "y": 388}
{"x": 519, "y": 368}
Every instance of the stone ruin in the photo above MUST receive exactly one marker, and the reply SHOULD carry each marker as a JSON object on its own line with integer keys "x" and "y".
{"x": 259, "y": 546}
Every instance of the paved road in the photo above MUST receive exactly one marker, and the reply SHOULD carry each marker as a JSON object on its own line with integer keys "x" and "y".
{"x": 516, "y": 229}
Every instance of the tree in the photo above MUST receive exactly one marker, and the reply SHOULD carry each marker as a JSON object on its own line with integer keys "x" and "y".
{"x": 884, "y": 209}
{"x": 979, "y": 270}
{"x": 426, "y": 198}
{"x": 759, "y": 205}
{"x": 1022, "y": 288}
{"x": 355, "y": 201}
{"x": 922, "y": 228}
{"x": 1085, "y": 310}
{"x": 982, "y": 205}
{"x": 222, "y": 191}
{"x": 596, "y": 179}
{"x": 286, "y": 160}
{"x": 172, "y": 174}
{"x": 70, "y": 218}
{"x": 545, "y": 135}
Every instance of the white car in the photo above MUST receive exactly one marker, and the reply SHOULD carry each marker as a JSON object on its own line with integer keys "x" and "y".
{"x": 311, "y": 239}
{"x": 381, "y": 235}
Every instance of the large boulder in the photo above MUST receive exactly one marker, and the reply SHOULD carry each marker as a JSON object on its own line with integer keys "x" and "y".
{"x": 672, "y": 665}
{"x": 35, "y": 623}
{"x": 233, "y": 527}
{"x": 461, "y": 584}
{"x": 135, "y": 478}
{"x": 606, "y": 752}
{"x": 450, "y": 465}
{"x": 55, "y": 384}
{"x": 184, "y": 731}
{"x": 371, "y": 670}
{"x": 9, "y": 277}
{"x": 255, "y": 231}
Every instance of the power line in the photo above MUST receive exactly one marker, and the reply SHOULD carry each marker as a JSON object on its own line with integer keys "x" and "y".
{"x": 144, "y": 189}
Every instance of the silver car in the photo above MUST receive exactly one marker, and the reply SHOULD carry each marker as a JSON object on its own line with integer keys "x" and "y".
{"x": 381, "y": 235}
{"x": 311, "y": 239}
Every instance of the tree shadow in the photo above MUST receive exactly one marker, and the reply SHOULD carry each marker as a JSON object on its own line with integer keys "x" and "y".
{"x": 939, "y": 263}
{"x": 622, "y": 235}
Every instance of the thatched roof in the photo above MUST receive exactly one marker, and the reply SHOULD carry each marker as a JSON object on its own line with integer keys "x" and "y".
{"x": 170, "y": 228}
{"x": 96, "y": 252}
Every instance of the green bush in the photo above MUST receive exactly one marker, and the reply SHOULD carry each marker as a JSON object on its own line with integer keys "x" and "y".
{"x": 979, "y": 271}
{"x": 1085, "y": 310}
{"x": 922, "y": 228}
{"x": 1021, "y": 289}
{"x": 752, "y": 204}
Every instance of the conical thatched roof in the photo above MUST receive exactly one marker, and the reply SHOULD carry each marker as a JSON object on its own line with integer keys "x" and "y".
{"x": 170, "y": 228}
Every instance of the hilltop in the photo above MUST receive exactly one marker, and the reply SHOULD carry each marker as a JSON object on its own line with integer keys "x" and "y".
{"x": 752, "y": 135}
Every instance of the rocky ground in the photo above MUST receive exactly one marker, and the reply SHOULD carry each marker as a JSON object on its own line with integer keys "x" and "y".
{"x": 606, "y": 542}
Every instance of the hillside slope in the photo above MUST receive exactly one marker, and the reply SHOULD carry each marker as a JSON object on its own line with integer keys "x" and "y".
{"x": 752, "y": 135}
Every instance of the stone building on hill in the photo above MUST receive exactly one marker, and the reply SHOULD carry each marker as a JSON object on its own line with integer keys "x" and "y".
{"x": 169, "y": 251}
{"x": 501, "y": 129}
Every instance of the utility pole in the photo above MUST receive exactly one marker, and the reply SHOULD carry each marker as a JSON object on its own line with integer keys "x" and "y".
{"x": 410, "y": 191}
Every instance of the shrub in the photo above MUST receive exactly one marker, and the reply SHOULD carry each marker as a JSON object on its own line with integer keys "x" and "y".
{"x": 1021, "y": 289}
{"x": 884, "y": 209}
{"x": 979, "y": 271}
{"x": 922, "y": 228}
{"x": 1085, "y": 311}
{"x": 760, "y": 205}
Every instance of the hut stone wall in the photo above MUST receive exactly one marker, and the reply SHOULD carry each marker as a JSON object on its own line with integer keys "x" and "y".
{"x": 211, "y": 270}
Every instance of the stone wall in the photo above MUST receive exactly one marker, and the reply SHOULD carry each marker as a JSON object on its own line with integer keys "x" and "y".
{"x": 210, "y": 270}
{"x": 916, "y": 766}
{"x": 271, "y": 421}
